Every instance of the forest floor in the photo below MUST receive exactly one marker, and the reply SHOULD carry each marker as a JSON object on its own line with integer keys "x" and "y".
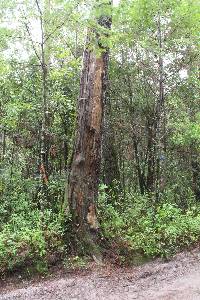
{"x": 178, "y": 278}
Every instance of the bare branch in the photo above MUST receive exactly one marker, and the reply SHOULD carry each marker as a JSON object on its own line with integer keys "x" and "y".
{"x": 38, "y": 6}
{"x": 59, "y": 26}
{"x": 32, "y": 42}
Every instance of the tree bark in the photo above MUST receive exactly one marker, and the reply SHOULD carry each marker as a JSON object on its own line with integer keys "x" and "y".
{"x": 85, "y": 167}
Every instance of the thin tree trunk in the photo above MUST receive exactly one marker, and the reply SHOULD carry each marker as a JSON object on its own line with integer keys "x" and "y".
{"x": 44, "y": 150}
{"x": 140, "y": 173}
{"x": 3, "y": 144}
{"x": 160, "y": 122}
{"x": 150, "y": 157}
{"x": 111, "y": 173}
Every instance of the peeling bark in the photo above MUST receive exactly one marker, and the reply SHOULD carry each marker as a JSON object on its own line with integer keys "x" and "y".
{"x": 85, "y": 168}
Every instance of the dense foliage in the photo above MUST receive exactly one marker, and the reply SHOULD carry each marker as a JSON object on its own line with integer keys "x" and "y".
{"x": 150, "y": 180}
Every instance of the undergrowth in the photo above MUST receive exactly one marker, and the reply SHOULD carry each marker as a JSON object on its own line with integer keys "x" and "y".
{"x": 141, "y": 226}
{"x": 134, "y": 226}
{"x": 30, "y": 238}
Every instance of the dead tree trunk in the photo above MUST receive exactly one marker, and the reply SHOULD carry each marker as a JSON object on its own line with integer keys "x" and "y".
{"x": 85, "y": 167}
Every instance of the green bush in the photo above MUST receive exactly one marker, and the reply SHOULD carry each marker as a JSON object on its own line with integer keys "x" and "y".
{"x": 30, "y": 242}
{"x": 28, "y": 235}
{"x": 151, "y": 230}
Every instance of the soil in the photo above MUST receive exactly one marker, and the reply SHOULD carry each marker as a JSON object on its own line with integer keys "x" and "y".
{"x": 178, "y": 278}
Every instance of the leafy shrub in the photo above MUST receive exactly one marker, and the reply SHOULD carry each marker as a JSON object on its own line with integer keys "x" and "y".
{"x": 30, "y": 242}
{"x": 29, "y": 236}
{"x": 153, "y": 231}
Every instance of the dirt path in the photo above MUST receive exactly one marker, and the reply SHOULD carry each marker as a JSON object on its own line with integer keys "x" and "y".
{"x": 177, "y": 279}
